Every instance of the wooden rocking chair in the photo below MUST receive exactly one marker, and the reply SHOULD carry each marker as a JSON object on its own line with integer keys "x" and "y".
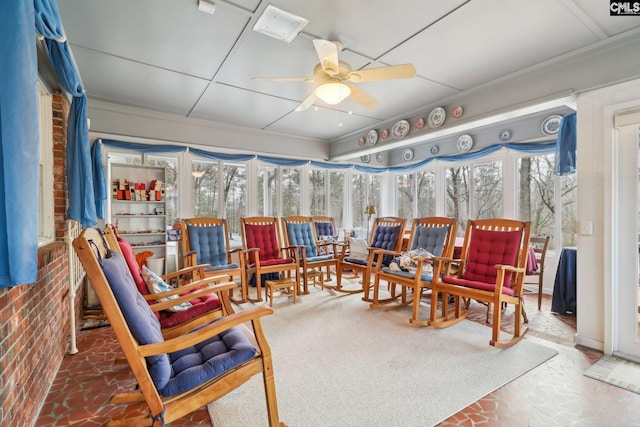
{"x": 178, "y": 375}
{"x": 491, "y": 270}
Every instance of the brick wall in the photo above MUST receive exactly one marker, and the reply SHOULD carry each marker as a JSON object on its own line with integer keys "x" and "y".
{"x": 34, "y": 318}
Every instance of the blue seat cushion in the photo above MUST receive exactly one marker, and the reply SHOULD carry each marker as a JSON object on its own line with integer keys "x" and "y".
{"x": 320, "y": 258}
{"x": 209, "y": 243}
{"x": 424, "y": 277}
{"x": 182, "y": 370}
{"x": 302, "y": 234}
{"x": 223, "y": 267}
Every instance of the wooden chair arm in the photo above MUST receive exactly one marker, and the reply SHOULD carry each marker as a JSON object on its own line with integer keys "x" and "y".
{"x": 184, "y": 271}
{"x": 199, "y": 335}
{"x": 201, "y": 287}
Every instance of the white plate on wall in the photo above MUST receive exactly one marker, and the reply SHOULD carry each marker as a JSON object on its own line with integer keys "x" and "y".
{"x": 551, "y": 125}
{"x": 464, "y": 143}
{"x": 366, "y": 158}
{"x": 372, "y": 137}
{"x": 436, "y": 117}
{"x": 400, "y": 129}
{"x": 407, "y": 155}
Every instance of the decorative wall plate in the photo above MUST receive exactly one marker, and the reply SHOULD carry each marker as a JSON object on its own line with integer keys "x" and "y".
{"x": 407, "y": 155}
{"x": 379, "y": 158}
{"x": 372, "y": 137}
{"x": 551, "y": 125}
{"x": 434, "y": 150}
{"x": 400, "y": 129}
{"x": 464, "y": 143}
{"x": 384, "y": 133}
{"x": 361, "y": 142}
{"x": 366, "y": 158}
{"x": 436, "y": 117}
{"x": 505, "y": 134}
{"x": 420, "y": 123}
{"x": 457, "y": 112}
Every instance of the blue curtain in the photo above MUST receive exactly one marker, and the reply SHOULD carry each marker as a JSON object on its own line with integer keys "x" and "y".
{"x": 82, "y": 205}
{"x": 19, "y": 144}
{"x": 566, "y": 146}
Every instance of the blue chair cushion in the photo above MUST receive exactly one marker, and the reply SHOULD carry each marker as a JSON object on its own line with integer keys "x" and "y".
{"x": 424, "y": 277}
{"x": 430, "y": 238}
{"x": 302, "y": 234}
{"x": 386, "y": 237}
{"x": 209, "y": 243}
{"x": 179, "y": 371}
{"x": 222, "y": 267}
{"x": 324, "y": 228}
{"x": 319, "y": 258}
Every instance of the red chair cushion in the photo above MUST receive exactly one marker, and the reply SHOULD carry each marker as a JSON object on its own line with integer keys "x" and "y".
{"x": 265, "y": 238}
{"x": 487, "y": 249}
{"x": 199, "y": 306}
{"x": 273, "y": 262}
{"x": 134, "y": 268}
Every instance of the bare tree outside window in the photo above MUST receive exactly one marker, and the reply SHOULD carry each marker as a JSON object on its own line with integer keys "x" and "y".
{"x": 426, "y": 183}
{"x": 204, "y": 177}
{"x": 405, "y": 195}
{"x": 235, "y": 195}
{"x": 291, "y": 191}
{"x": 457, "y": 195}
{"x": 487, "y": 190}
{"x": 336, "y": 198}
{"x": 318, "y": 199}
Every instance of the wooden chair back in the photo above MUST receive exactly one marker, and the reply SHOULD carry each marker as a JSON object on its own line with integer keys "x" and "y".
{"x": 540, "y": 245}
{"x": 491, "y": 270}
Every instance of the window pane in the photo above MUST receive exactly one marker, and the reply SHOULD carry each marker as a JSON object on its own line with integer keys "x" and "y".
{"x": 426, "y": 193}
{"x": 267, "y": 190}
{"x": 487, "y": 190}
{"x": 290, "y": 192}
{"x": 318, "y": 196}
{"x": 569, "y": 188}
{"x": 336, "y": 198}
{"x": 358, "y": 203}
{"x": 536, "y": 194}
{"x": 204, "y": 179}
{"x": 235, "y": 196}
{"x": 457, "y": 197}
{"x": 404, "y": 196}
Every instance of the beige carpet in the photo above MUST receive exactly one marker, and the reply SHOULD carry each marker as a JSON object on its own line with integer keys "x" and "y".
{"x": 339, "y": 363}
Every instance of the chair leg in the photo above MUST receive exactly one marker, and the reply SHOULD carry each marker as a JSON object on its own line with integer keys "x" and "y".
{"x": 540, "y": 291}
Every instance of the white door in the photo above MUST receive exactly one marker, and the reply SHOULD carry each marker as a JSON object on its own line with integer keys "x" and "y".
{"x": 626, "y": 231}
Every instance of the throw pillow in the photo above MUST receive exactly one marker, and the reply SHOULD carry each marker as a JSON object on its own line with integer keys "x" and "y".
{"x": 156, "y": 285}
{"x": 358, "y": 249}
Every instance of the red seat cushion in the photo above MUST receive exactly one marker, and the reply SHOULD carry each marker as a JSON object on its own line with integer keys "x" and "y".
{"x": 265, "y": 238}
{"x": 476, "y": 285}
{"x": 487, "y": 249}
{"x": 199, "y": 306}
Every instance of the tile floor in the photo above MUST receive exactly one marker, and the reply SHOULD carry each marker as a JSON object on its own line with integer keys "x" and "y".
{"x": 553, "y": 394}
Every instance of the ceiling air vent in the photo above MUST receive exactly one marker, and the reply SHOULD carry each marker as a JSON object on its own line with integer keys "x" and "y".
{"x": 280, "y": 24}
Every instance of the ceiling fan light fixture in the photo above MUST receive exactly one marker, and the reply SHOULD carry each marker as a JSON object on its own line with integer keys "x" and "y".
{"x": 333, "y": 93}
{"x": 280, "y": 24}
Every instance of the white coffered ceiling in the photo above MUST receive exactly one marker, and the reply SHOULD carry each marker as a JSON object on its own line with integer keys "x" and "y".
{"x": 167, "y": 56}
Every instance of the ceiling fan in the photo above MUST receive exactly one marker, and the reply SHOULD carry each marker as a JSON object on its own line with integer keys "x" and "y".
{"x": 335, "y": 78}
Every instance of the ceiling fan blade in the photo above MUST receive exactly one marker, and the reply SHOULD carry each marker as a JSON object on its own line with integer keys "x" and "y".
{"x": 403, "y": 71}
{"x": 363, "y": 98}
{"x": 307, "y": 102}
{"x": 285, "y": 79}
{"x": 328, "y": 54}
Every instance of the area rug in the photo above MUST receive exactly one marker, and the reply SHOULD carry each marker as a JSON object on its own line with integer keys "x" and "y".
{"x": 616, "y": 371}
{"x": 339, "y": 363}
